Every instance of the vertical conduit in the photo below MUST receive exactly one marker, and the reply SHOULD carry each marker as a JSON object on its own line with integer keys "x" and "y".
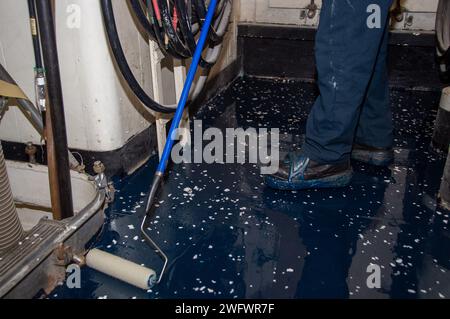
{"x": 10, "y": 227}
{"x": 60, "y": 182}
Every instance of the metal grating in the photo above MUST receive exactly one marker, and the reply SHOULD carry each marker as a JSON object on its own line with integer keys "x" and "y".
{"x": 34, "y": 241}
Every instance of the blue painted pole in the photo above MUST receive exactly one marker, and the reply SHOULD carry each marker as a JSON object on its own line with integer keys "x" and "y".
{"x": 175, "y": 124}
{"x": 187, "y": 88}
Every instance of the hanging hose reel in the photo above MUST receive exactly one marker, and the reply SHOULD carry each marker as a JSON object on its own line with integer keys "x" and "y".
{"x": 174, "y": 26}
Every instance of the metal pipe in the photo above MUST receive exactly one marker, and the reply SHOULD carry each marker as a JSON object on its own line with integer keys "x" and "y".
{"x": 33, "y": 115}
{"x": 59, "y": 163}
{"x": 40, "y": 82}
{"x": 35, "y": 35}
{"x": 25, "y": 106}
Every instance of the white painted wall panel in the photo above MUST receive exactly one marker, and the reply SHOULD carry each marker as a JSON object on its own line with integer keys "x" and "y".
{"x": 229, "y": 51}
{"x": 411, "y": 5}
{"x": 16, "y": 55}
{"x": 420, "y": 5}
{"x": 291, "y": 12}
{"x": 101, "y": 113}
{"x": 293, "y": 4}
{"x": 247, "y": 10}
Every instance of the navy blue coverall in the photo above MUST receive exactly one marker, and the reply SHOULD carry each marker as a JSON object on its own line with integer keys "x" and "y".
{"x": 351, "y": 55}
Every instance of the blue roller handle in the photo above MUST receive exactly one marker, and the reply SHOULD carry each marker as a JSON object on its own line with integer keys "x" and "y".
{"x": 187, "y": 87}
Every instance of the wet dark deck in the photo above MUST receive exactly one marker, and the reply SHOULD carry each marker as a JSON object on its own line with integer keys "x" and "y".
{"x": 229, "y": 236}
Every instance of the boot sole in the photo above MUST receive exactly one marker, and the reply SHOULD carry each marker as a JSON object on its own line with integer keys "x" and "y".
{"x": 335, "y": 181}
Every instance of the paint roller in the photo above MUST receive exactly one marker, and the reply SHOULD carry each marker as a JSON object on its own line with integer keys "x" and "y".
{"x": 120, "y": 268}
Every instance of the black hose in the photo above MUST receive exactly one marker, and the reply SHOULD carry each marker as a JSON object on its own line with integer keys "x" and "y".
{"x": 143, "y": 21}
{"x": 159, "y": 33}
{"x": 175, "y": 40}
{"x": 35, "y": 35}
{"x": 39, "y": 72}
{"x": 50, "y": 57}
{"x": 152, "y": 28}
{"x": 119, "y": 55}
{"x": 200, "y": 10}
{"x": 201, "y": 14}
{"x": 171, "y": 33}
{"x": 186, "y": 30}
{"x": 190, "y": 12}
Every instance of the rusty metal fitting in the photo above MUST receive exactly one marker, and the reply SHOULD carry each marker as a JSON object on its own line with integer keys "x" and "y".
{"x": 63, "y": 254}
{"x": 99, "y": 167}
{"x": 31, "y": 151}
{"x": 79, "y": 260}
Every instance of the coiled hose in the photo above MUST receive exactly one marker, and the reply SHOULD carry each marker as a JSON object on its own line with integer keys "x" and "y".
{"x": 162, "y": 27}
{"x": 114, "y": 41}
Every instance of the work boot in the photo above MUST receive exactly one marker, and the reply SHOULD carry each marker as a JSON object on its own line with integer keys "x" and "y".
{"x": 373, "y": 155}
{"x": 300, "y": 172}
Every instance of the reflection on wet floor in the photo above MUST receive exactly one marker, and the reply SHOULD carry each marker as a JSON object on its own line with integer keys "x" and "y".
{"x": 228, "y": 236}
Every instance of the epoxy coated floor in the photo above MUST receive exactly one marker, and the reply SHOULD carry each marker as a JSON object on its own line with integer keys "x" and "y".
{"x": 229, "y": 236}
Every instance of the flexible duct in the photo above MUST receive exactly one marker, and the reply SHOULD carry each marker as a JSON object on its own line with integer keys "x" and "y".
{"x": 10, "y": 227}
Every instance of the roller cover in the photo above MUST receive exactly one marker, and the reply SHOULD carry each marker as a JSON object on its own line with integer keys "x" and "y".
{"x": 121, "y": 269}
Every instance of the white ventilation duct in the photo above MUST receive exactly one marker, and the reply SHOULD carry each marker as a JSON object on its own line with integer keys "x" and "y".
{"x": 10, "y": 227}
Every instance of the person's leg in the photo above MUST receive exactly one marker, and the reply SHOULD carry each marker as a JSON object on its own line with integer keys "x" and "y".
{"x": 375, "y": 125}
{"x": 348, "y": 43}
{"x": 374, "y": 137}
{"x": 347, "y": 47}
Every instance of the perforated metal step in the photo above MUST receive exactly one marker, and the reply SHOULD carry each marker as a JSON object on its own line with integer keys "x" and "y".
{"x": 29, "y": 248}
